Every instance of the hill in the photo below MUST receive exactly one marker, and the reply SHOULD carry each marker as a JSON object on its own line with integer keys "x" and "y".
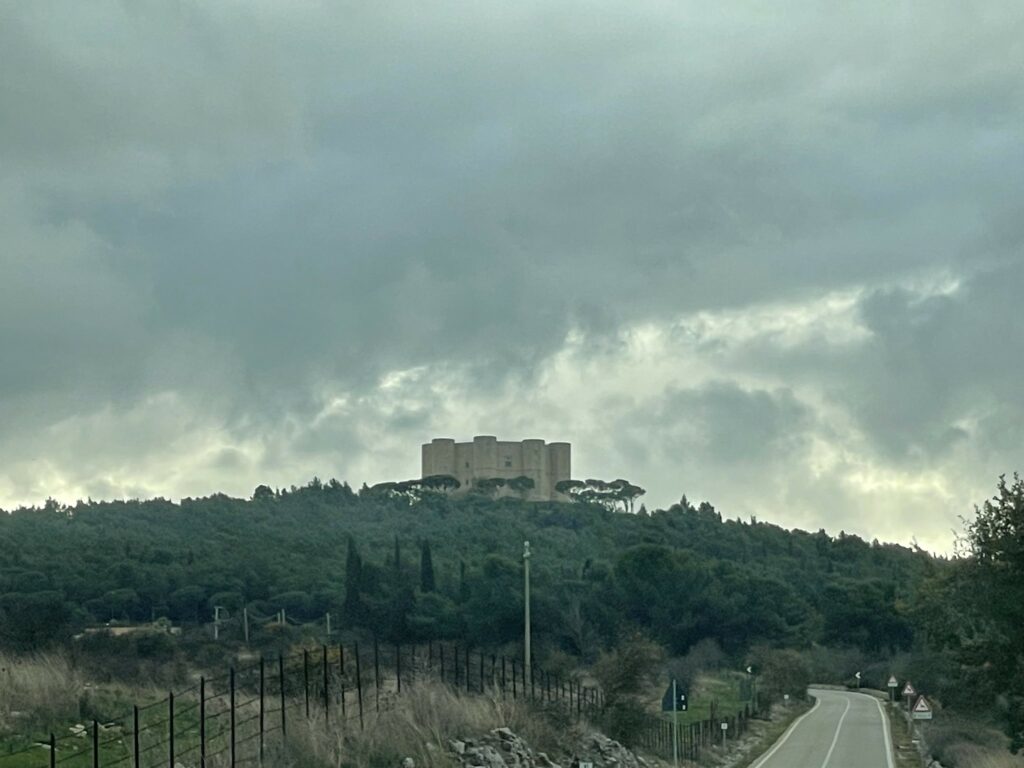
{"x": 420, "y": 567}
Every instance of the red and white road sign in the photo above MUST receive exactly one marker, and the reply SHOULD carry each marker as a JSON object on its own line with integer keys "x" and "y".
{"x": 922, "y": 709}
{"x": 893, "y": 683}
{"x": 908, "y": 690}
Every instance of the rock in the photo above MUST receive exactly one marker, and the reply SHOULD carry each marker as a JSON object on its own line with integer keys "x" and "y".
{"x": 505, "y": 734}
{"x": 408, "y": 763}
{"x": 458, "y": 747}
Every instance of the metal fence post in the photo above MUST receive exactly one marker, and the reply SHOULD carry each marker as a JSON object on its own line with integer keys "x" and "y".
{"x": 231, "y": 686}
{"x": 262, "y": 704}
{"x": 515, "y": 677}
{"x": 467, "y": 669}
{"x": 280, "y": 679}
{"x": 376, "y": 672}
{"x": 170, "y": 729}
{"x": 305, "y": 676}
{"x": 398, "y": 665}
{"x": 135, "y": 736}
{"x": 327, "y": 692}
{"x": 359, "y": 686}
{"x": 95, "y": 744}
{"x": 341, "y": 659}
{"x": 202, "y": 725}
{"x": 53, "y": 750}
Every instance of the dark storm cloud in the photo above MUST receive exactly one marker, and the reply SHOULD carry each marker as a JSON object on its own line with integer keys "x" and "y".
{"x": 253, "y": 208}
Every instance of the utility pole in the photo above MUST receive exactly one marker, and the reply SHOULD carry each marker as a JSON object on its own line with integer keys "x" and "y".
{"x": 245, "y": 624}
{"x": 216, "y": 621}
{"x": 526, "y": 608}
{"x": 328, "y": 625}
{"x": 675, "y": 726}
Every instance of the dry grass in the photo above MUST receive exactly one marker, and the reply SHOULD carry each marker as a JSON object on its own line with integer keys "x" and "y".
{"x": 420, "y": 726}
{"x": 38, "y": 688}
{"x": 979, "y": 756}
{"x": 40, "y": 691}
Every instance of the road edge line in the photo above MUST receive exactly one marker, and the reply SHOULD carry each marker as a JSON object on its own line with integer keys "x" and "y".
{"x": 785, "y": 736}
{"x": 887, "y": 733}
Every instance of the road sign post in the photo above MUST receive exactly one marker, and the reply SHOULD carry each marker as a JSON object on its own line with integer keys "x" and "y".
{"x": 908, "y": 693}
{"x": 725, "y": 731}
{"x": 922, "y": 709}
{"x": 893, "y": 684}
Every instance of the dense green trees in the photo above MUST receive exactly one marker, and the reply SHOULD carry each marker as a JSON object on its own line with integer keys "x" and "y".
{"x": 680, "y": 575}
{"x": 973, "y": 613}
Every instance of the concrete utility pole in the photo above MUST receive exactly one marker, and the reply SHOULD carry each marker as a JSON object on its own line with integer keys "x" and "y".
{"x": 526, "y": 607}
{"x": 216, "y": 621}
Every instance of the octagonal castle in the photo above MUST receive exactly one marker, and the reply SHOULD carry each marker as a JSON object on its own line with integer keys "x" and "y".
{"x": 487, "y": 457}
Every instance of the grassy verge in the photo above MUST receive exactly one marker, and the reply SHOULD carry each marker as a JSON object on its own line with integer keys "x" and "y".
{"x": 904, "y": 749}
{"x": 722, "y": 689}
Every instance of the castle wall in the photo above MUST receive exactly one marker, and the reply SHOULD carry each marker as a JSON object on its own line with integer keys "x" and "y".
{"x": 485, "y": 457}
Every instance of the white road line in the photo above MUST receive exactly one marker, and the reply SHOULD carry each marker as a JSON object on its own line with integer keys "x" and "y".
{"x": 789, "y": 732}
{"x": 839, "y": 727}
{"x": 885, "y": 731}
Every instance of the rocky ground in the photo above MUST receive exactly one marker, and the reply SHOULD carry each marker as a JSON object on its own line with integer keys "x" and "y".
{"x": 501, "y": 748}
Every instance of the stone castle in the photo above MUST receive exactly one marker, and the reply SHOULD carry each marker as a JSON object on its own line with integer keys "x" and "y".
{"x": 487, "y": 457}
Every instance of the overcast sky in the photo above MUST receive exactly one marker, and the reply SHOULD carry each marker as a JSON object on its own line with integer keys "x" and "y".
{"x": 768, "y": 255}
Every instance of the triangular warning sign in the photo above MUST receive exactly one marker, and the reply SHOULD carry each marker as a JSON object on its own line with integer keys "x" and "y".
{"x": 908, "y": 690}
{"x": 893, "y": 682}
{"x": 922, "y": 705}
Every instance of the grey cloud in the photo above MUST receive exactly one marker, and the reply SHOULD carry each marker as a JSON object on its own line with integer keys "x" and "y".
{"x": 248, "y": 206}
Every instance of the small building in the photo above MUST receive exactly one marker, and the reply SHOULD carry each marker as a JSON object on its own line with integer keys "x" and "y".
{"x": 487, "y": 458}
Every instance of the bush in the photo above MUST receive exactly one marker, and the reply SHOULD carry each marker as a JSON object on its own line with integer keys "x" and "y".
{"x": 626, "y": 675}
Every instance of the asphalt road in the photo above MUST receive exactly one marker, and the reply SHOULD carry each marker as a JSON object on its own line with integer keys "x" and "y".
{"x": 843, "y": 730}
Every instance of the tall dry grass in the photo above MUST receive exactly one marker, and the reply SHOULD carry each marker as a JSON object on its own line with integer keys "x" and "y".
{"x": 979, "y": 756}
{"x": 420, "y": 726}
{"x": 40, "y": 691}
{"x": 962, "y": 742}
{"x": 38, "y": 688}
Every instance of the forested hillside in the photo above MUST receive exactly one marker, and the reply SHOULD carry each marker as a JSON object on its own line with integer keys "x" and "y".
{"x": 437, "y": 567}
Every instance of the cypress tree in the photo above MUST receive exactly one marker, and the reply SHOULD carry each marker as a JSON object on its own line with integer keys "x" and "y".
{"x": 352, "y": 607}
{"x": 427, "y": 583}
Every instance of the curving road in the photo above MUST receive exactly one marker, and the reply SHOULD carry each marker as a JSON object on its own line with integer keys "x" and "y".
{"x": 842, "y": 730}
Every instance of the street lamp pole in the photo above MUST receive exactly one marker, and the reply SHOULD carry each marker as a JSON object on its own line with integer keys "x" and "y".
{"x": 526, "y": 608}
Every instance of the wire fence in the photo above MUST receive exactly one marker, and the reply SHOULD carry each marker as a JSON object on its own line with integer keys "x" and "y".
{"x": 668, "y": 737}
{"x": 232, "y": 719}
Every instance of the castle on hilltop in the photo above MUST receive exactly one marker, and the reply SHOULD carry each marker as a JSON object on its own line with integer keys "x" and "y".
{"x": 487, "y": 458}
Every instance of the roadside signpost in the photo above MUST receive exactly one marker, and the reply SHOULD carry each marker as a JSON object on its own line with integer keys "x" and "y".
{"x": 674, "y": 700}
{"x": 725, "y": 731}
{"x": 858, "y": 680}
{"x": 908, "y": 692}
{"x": 922, "y": 709}
{"x": 893, "y": 685}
